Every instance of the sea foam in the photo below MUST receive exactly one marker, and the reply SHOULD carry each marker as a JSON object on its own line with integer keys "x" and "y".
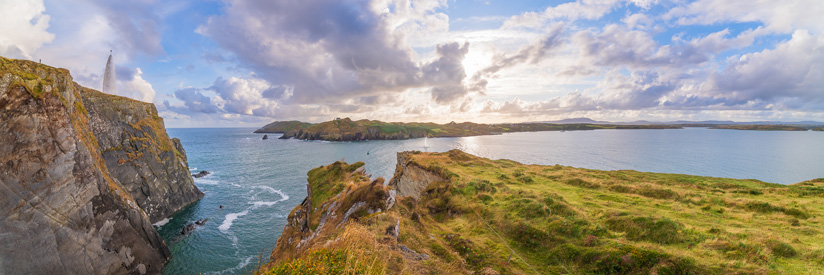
{"x": 162, "y": 222}
{"x": 227, "y": 223}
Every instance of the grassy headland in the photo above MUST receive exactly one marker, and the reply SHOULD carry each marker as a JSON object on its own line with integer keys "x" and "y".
{"x": 473, "y": 214}
{"x": 283, "y": 126}
{"x": 349, "y": 130}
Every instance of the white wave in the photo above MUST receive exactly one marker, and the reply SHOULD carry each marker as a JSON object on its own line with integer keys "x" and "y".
{"x": 283, "y": 196}
{"x": 227, "y": 223}
{"x": 192, "y": 168}
{"x": 258, "y": 203}
{"x": 162, "y": 222}
{"x": 263, "y": 203}
{"x": 205, "y": 181}
{"x": 239, "y": 266}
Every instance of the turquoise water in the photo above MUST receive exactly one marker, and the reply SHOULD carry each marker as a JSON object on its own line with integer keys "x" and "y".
{"x": 259, "y": 181}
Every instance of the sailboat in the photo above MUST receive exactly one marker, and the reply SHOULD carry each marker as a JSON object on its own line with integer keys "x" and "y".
{"x": 425, "y": 142}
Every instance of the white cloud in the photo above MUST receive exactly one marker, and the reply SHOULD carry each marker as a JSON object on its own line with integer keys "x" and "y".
{"x": 572, "y": 11}
{"x": 778, "y": 16}
{"x": 794, "y": 69}
{"x": 135, "y": 87}
{"x": 23, "y": 27}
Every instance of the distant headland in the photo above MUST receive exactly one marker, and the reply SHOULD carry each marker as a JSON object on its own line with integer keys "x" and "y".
{"x": 346, "y": 129}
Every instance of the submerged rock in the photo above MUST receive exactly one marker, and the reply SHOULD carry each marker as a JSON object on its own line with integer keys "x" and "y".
{"x": 189, "y": 228}
{"x": 201, "y": 174}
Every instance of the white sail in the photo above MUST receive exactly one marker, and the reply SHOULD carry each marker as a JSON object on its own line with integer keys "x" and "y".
{"x": 425, "y": 142}
{"x": 109, "y": 78}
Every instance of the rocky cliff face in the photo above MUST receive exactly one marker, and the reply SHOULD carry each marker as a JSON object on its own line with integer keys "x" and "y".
{"x": 338, "y": 193}
{"x": 137, "y": 151}
{"x": 68, "y": 204}
{"x": 410, "y": 178}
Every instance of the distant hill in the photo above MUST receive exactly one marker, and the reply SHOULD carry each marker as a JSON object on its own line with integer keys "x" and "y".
{"x": 349, "y": 130}
{"x": 578, "y": 120}
{"x": 684, "y": 122}
{"x": 283, "y": 126}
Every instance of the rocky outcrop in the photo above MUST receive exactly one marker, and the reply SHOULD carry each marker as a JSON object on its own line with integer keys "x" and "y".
{"x": 410, "y": 179}
{"x": 68, "y": 204}
{"x": 201, "y": 174}
{"x": 137, "y": 151}
{"x": 337, "y": 193}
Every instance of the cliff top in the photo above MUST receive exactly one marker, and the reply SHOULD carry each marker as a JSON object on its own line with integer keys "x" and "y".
{"x": 473, "y": 212}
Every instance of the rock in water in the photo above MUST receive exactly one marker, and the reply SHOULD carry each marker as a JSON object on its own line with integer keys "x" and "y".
{"x": 189, "y": 228}
{"x": 84, "y": 176}
{"x": 265, "y": 137}
{"x": 201, "y": 174}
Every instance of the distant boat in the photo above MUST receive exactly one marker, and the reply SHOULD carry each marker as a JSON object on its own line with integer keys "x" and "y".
{"x": 425, "y": 142}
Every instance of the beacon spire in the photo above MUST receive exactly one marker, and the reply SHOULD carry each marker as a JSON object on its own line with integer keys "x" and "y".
{"x": 109, "y": 76}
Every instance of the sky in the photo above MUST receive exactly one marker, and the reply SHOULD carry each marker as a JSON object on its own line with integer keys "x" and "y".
{"x": 245, "y": 63}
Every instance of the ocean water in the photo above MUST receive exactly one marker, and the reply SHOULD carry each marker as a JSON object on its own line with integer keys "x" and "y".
{"x": 258, "y": 182}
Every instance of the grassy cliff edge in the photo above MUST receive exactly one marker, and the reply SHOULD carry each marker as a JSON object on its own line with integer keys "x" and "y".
{"x": 472, "y": 214}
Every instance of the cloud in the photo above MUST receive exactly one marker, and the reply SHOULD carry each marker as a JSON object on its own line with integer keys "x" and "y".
{"x": 132, "y": 85}
{"x": 777, "y": 16}
{"x": 193, "y": 101}
{"x": 332, "y": 51}
{"x": 23, "y": 28}
{"x": 788, "y": 77}
{"x": 794, "y": 69}
{"x": 533, "y": 54}
{"x": 572, "y": 11}
{"x": 618, "y": 46}
{"x": 134, "y": 24}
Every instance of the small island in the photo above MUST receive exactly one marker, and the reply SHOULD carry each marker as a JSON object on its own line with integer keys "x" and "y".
{"x": 348, "y": 130}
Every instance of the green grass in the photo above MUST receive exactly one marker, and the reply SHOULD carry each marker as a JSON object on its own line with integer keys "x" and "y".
{"x": 562, "y": 220}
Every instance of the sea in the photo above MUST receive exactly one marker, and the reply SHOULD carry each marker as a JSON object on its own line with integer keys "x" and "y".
{"x": 258, "y": 182}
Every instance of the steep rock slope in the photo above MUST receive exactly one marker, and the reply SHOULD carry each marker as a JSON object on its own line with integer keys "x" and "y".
{"x": 137, "y": 151}
{"x": 479, "y": 216}
{"x": 62, "y": 209}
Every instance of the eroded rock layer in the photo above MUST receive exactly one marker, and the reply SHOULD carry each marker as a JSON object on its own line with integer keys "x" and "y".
{"x": 68, "y": 205}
